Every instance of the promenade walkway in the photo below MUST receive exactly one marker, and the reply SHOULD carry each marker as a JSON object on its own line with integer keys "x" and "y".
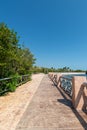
{"x": 49, "y": 110}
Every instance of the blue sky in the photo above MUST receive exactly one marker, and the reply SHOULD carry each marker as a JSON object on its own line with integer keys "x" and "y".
{"x": 54, "y": 30}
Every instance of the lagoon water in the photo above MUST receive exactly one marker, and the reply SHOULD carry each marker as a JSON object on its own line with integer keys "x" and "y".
{"x": 71, "y": 75}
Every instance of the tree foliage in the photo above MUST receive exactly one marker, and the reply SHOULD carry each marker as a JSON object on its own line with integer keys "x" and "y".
{"x": 14, "y": 59}
{"x": 37, "y": 69}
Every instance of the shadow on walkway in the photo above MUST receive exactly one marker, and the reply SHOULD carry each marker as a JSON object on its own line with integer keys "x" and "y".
{"x": 51, "y": 110}
{"x": 68, "y": 103}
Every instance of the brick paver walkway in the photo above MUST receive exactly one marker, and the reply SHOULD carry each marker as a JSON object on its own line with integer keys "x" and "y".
{"x": 49, "y": 110}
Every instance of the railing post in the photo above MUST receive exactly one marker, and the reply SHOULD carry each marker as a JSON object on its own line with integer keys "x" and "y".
{"x": 77, "y": 97}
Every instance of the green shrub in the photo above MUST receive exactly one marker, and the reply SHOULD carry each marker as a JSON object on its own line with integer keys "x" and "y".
{"x": 12, "y": 84}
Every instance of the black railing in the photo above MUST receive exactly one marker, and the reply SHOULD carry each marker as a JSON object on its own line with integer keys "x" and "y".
{"x": 64, "y": 81}
{"x": 66, "y": 84}
{"x": 10, "y": 84}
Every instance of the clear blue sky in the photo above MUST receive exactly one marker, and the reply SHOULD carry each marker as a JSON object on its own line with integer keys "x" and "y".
{"x": 54, "y": 30}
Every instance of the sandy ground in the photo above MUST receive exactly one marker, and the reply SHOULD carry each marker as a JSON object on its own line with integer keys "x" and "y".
{"x": 13, "y": 105}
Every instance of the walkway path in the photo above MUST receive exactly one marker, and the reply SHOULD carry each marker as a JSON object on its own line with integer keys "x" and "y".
{"x": 49, "y": 110}
{"x": 13, "y": 105}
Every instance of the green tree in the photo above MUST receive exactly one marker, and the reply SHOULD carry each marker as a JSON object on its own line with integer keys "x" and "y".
{"x": 26, "y": 61}
{"x": 8, "y": 46}
{"x": 13, "y": 58}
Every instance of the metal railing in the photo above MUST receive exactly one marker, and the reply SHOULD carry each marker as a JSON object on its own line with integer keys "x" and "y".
{"x": 18, "y": 79}
{"x": 64, "y": 81}
{"x": 66, "y": 84}
{"x": 76, "y": 89}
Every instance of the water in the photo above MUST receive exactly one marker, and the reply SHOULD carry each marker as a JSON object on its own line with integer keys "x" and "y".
{"x": 71, "y": 75}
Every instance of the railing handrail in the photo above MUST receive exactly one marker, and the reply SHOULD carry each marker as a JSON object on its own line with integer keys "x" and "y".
{"x": 5, "y": 79}
{"x": 66, "y": 77}
{"x": 12, "y": 77}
